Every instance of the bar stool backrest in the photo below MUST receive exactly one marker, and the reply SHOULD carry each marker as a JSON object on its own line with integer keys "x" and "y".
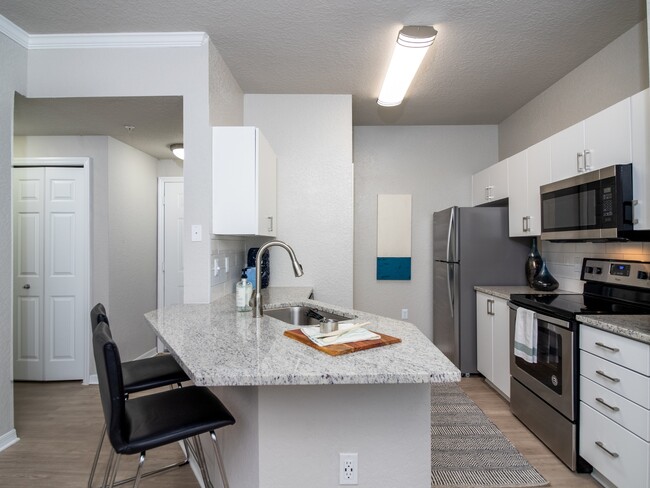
{"x": 111, "y": 384}
{"x": 97, "y": 315}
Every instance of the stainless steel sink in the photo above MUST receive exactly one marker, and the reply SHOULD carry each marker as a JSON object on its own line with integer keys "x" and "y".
{"x": 302, "y": 315}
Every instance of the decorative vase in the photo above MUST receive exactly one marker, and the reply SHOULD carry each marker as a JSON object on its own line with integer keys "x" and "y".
{"x": 544, "y": 280}
{"x": 533, "y": 263}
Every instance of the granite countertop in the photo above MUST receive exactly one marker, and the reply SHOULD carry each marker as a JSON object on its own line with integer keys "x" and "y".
{"x": 505, "y": 291}
{"x": 635, "y": 327}
{"x": 218, "y": 346}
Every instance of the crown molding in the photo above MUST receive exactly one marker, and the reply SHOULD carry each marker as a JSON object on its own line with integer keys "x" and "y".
{"x": 117, "y": 40}
{"x": 13, "y": 32}
{"x": 93, "y": 41}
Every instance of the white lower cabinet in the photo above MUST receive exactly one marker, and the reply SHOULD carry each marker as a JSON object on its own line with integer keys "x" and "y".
{"x": 615, "y": 407}
{"x": 493, "y": 338}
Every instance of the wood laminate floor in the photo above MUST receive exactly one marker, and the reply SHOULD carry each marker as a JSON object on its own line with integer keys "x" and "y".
{"x": 59, "y": 424}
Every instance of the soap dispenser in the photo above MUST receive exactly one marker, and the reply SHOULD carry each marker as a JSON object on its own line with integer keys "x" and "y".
{"x": 243, "y": 293}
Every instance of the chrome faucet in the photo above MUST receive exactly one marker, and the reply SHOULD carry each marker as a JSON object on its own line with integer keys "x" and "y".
{"x": 256, "y": 299}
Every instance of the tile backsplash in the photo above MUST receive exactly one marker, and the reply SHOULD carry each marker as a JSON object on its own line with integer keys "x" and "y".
{"x": 564, "y": 259}
{"x": 227, "y": 258}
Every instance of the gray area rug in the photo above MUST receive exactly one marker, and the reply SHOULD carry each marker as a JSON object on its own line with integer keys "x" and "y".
{"x": 467, "y": 449}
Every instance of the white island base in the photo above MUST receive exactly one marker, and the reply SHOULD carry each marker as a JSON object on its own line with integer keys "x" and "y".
{"x": 291, "y": 436}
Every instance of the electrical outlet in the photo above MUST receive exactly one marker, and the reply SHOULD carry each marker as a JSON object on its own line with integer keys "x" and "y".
{"x": 405, "y": 313}
{"x": 348, "y": 468}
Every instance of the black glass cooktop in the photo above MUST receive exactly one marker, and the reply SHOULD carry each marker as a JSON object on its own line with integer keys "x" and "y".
{"x": 568, "y": 306}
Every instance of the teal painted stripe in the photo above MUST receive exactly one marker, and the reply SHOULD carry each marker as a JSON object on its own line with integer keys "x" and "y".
{"x": 393, "y": 268}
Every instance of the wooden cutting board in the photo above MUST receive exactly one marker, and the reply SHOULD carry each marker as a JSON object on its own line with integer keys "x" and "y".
{"x": 338, "y": 349}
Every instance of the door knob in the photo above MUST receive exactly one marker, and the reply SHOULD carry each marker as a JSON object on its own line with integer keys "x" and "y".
{"x": 26, "y": 287}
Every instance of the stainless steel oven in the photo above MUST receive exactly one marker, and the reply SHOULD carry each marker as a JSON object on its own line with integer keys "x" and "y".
{"x": 552, "y": 379}
{"x": 544, "y": 393}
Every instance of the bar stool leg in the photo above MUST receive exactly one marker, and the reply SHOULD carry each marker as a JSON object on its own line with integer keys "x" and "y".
{"x": 200, "y": 458}
{"x": 115, "y": 468}
{"x": 217, "y": 453}
{"x": 138, "y": 475}
{"x": 99, "y": 450}
{"x": 108, "y": 469}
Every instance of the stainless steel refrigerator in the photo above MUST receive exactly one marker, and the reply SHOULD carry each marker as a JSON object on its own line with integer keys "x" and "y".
{"x": 470, "y": 247}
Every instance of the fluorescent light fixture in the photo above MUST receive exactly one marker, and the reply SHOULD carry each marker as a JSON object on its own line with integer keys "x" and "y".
{"x": 178, "y": 150}
{"x": 413, "y": 41}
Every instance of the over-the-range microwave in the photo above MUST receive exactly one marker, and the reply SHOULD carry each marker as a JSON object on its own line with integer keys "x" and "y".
{"x": 594, "y": 206}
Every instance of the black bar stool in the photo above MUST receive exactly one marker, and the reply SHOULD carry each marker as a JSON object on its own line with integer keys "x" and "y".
{"x": 144, "y": 423}
{"x": 139, "y": 375}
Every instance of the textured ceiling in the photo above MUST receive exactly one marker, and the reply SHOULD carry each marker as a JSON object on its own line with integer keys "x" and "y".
{"x": 489, "y": 59}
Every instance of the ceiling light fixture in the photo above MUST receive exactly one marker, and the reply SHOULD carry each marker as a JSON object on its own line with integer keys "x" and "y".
{"x": 413, "y": 41}
{"x": 178, "y": 150}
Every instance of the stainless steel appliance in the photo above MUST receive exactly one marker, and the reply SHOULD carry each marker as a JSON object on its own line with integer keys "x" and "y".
{"x": 470, "y": 247}
{"x": 544, "y": 395}
{"x": 591, "y": 206}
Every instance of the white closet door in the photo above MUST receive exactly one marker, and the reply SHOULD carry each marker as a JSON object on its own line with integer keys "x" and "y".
{"x": 173, "y": 243}
{"x": 28, "y": 195}
{"x": 50, "y": 249}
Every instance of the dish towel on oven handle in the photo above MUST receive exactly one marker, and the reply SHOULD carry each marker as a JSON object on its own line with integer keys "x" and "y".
{"x": 526, "y": 335}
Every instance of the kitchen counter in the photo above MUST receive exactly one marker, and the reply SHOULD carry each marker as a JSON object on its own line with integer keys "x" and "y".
{"x": 635, "y": 327}
{"x": 297, "y": 408}
{"x": 505, "y": 291}
{"x": 218, "y": 346}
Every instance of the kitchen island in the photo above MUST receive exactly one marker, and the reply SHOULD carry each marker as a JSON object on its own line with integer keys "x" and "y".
{"x": 298, "y": 408}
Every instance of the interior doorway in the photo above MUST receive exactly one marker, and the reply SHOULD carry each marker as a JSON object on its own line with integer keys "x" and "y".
{"x": 51, "y": 268}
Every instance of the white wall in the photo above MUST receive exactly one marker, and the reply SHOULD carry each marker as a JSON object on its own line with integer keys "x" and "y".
{"x": 13, "y": 78}
{"x": 432, "y": 163}
{"x": 123, "y": 236}
{"x": 312, "y": 138}
{"x": 107, "y": 72}
{"x": 616, "y": 72}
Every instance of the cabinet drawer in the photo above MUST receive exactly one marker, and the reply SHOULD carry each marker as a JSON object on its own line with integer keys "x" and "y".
{"x": 626, "y": 464}
{"x": 628, "y": 384}
{"x": 628, "y": 414}
{"x": 621, "y": 350}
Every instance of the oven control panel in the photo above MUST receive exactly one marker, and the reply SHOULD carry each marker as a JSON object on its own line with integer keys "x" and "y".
{"x": 616, "y": 271}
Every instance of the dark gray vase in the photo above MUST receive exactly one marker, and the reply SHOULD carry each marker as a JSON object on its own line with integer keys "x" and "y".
{"x": 533, "y": 263}
{"x": 544, "y": 280}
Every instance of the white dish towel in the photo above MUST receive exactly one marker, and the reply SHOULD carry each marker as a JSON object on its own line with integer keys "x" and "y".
{"x": 526, "y": 335}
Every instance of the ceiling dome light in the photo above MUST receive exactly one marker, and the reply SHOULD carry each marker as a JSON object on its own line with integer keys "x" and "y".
{"x": 178, "y": 150}
{"x": 413, "y": 41}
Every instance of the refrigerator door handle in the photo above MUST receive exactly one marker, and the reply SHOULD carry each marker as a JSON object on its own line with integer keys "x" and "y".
{"x": 450, "y": 279}
{"x": 451, "y": 230}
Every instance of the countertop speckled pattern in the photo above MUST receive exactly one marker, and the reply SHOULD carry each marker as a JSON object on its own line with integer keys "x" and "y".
{"x": 635, "y": 327}
{"x": 218, "y": 346}
{"x": 505, "y": 291}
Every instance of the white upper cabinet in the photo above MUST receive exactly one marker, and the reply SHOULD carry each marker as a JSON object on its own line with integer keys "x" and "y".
{"x": 491, "y": 184}
{"x": 243, "y": 182}
{"x": 602, "y": 140}
{"x": 527, "y": 171}
{"x": 640, "y": 158}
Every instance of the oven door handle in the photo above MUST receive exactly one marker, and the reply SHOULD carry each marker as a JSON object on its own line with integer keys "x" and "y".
{"x": 551, "y": 320}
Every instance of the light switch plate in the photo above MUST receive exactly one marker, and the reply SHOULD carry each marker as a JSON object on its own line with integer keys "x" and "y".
{"x": 197, "y": 233}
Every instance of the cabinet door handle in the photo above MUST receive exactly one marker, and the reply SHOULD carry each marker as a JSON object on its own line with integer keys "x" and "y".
{"x": 603, "y": 402}
{"x": 270, "y": 228}
{"x": 487, "y": 192}
{"x": 587, "y": 160}
{"x": 609, "y": 348}
{"x": 579, "y": 162}
{"x": 615, "y": 380}
{"x": 490, "y": 307}
{"x": 602, "y": 446}
{"x": 523, "y": 224}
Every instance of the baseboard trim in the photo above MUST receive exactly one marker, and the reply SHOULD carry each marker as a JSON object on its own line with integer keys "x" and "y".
{"x": 93, "y": 379}
{"x": 8, "y": 439}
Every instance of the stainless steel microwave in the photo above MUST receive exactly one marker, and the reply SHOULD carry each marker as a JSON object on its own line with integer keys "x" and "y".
{"x": 589, "y": 207}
